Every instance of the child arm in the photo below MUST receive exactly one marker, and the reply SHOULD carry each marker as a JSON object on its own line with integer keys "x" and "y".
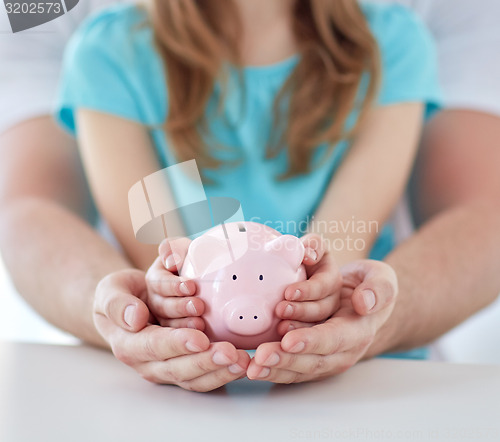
{"x": 117, "y": 153}
{"x": 370, "y": 181}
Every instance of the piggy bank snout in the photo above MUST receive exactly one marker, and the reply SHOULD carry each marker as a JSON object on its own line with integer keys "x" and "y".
{"x": 247, "y": 319}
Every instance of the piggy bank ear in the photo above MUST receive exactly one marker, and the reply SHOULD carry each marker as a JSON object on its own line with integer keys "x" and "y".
{"x": 288, "y": 247}
{"x": 208, "y": 254}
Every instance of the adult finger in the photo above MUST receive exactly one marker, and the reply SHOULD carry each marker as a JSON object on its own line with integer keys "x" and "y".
{"x": 271, "y": 355}
{"x": 119, "y": 297}
{"x": 218, "y": 378}
{"x": 273, "y": 364}
{"x": 156, "y": 343}
{"x": 336, "y": 335}
{"x": 305, "y": 368}
{"x": 185, "y": 368}
{"x": 375, "y": 285}
{"x": 164, "y": 282}
{"x": 278, "y": 376}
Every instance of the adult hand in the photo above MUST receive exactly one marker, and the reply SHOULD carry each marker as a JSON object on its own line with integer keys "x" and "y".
{"x": 162, "y": 355}
{"x": 315, "y": 352}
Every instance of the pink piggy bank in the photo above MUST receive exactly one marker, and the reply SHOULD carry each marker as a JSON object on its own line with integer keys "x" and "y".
{"x": 241, "y": 271}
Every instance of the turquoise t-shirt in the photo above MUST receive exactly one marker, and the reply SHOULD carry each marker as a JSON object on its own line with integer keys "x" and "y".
{"x": 111, "y": 66}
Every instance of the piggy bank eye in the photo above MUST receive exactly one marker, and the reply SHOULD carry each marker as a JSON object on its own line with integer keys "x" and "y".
{"x": 234, "y": 277}
{"x": 261, "y": 277}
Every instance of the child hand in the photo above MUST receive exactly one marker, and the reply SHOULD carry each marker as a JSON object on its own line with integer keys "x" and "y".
{"x": 316, "y": 299}
{"x": 170, "y": 298}
{"x": 368, "y": 297}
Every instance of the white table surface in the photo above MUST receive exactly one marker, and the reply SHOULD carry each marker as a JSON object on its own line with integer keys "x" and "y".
{"x": 73, "y": 394}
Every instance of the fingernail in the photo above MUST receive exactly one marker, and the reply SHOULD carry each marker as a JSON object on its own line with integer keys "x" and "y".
{"x": 291, "y": 327}
{"x": 191, "y": 309}
{"x": 193, "y": 347}
{"x": 220, "y": 358}
{"x": 295, "y": 295}
{"x": 311, "y": 254}
{"x": 297, "y": 347}
{"x": 128, "y": 314}
{"x": 171, "y": 260}
{"x": 235, "y": 369}
{"x": 191, "y": 324}
{"x": 288, "y": 311}
{"x": 184, "y": 288}
{"x": 264, "y": 373}
{"x": 273, "y": 359}
{"x": 369, "y": 298}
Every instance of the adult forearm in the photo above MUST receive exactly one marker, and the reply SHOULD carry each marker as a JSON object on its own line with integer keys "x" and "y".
{"x": 55, "y": 261}
{"x": 447, "y": 271}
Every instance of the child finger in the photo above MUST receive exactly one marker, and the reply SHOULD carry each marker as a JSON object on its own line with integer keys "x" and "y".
{"x": 172, "y": 252}
{"x": 325, "y": 281}
{"x": 165, "y": 283}
{"x": 314, "y": 248}
{"x": 193, "y": 322}
{"x": 173, "y": 308}
{"x": 309, "y": 311}
{"x": 286, "y": 326}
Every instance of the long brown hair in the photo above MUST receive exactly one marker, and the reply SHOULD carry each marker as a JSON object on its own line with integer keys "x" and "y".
{"x": 196, "y": 37}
